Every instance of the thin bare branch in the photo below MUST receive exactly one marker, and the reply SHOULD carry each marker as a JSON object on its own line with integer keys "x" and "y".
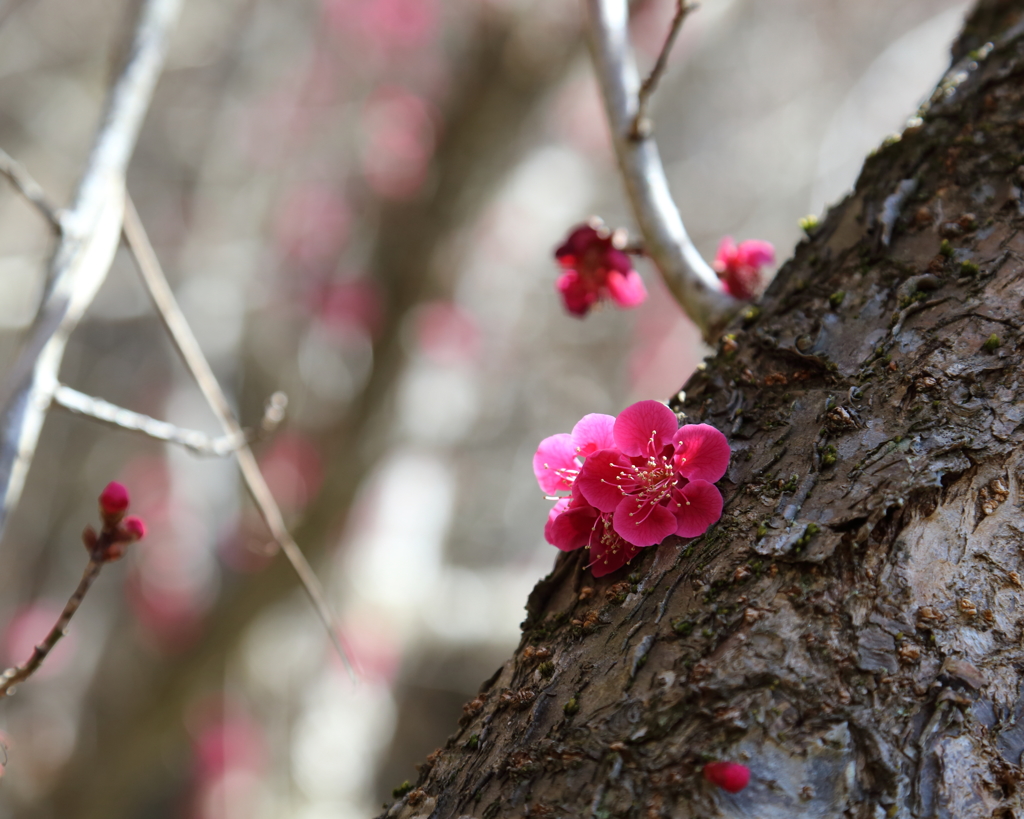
{"x": 689, "y": 278}
{"x": 29, "y": 188}
{"x": 198, "y": 442}
{"x": 185, "y": 341}
{"x": 90, "y": 232}
{"x": 641, "y": 122}
{"x": 18, "y": 674}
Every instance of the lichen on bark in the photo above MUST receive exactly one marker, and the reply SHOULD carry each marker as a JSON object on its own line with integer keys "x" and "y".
{"x": 851, "y": 629}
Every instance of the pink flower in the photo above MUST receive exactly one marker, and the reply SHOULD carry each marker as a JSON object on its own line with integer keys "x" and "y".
{"x": 574, "y": 524}
{"x": 729, "y": 776}
{"x": 632, "y": 481}
{"x": 739, "y": 266}
{"x": 558, "y": 459}
{"x": 594, "y": 270}
{"x": 657, "y": 480}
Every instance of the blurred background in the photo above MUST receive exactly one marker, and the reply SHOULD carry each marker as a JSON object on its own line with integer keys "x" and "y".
{"x": 356, "y": 202}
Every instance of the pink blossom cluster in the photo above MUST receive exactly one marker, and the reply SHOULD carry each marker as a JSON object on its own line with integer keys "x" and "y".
{"x": 739, "y": 266}
{"x": 629, "y": 482}
{"x": 595, "y": 270}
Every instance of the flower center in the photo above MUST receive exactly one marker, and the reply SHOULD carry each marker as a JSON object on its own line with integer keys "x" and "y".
{"x": 651, "y": 481}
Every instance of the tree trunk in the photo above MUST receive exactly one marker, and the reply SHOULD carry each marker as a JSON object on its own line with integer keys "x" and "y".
{"x": 851, "y": 629}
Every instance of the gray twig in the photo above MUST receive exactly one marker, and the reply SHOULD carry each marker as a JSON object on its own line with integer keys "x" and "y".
{"x": 29, "y": 188}
{"x": 90, "y": 231}
{"x": 641, "y": 123}
{"x": 185, "y": 341}
{"x": 689, "y": 278}
{"x": 198, "y": 442}
{"x": 18, "y": 674}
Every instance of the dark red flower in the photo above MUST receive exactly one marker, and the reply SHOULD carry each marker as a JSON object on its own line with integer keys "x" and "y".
{"x": 594, "y": 270}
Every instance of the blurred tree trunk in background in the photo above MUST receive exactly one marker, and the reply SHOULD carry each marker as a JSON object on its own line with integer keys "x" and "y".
{"x": 502, "y": 79}
{"x": 850, "y": 629}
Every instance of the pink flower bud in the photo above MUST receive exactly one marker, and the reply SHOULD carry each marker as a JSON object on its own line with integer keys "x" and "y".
{"x": 134, "y": 527}
{"x": 114, "y": 499}
{"x": 739, "y": 266}
{"x": 729, "y": 776}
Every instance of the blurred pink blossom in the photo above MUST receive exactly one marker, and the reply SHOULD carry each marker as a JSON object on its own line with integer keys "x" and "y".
{"x": 293, "y": 469}
{"x": 385, "y": 24}
{"x": 446, "y": 333}
{"x": 349, "y": 305}
{"x": 372, "y": 645}
{"x": 170, "y": 616}
{"x": 244, "y": 544}
{"x": 313, "y": 225}
{"x": 398, "y": 142}
{"x": 228, "y": 740}
{"x": 30, "y": 624}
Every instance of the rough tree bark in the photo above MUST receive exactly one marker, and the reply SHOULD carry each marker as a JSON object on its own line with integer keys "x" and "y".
{"x": 851, "y": 629}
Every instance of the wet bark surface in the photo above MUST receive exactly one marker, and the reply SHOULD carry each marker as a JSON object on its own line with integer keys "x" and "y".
{"x": 851, "y": 629}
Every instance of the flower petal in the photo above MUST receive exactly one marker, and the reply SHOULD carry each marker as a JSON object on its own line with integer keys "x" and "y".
{"x": 699, "y": 505}
{"x": 702, "y": 452}
{"x": 643, "y": 524}
{"x": 556, "y": 510}
{"x": 571, "y": 529}
{"x": 626, "y": 289}
{"x": 617, "y": 260}
{"x": 555, "y": 463}
{"x": 645, "y": 428}
{"x": 577, "y": 295}
{"x": 611, "y": 554}
{"x": 726, "y": 255}
{"x": 576, "y": 244}
{"x": 593, "y": 432}
{"x": 755, "y": 253}
{"x": 599, "y": 479}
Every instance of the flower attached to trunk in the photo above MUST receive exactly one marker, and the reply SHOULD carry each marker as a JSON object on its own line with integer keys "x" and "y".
{"x": 658, "y": 480}
{"x": 739, "y": 266}
{"x": 574, "y": 524}
{"x": 558, "y": 459}
{"x": 595, "y": 269}
{"x": 632, "y": 482}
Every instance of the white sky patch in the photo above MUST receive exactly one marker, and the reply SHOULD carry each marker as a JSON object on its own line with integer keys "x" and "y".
{"x": 398, "y": 560}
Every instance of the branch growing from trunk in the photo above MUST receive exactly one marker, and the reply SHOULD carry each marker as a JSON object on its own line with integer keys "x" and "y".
{"x": 90, "y": 231}
{"x": 188, "y": 347}
{"x": 689, "y": 278}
